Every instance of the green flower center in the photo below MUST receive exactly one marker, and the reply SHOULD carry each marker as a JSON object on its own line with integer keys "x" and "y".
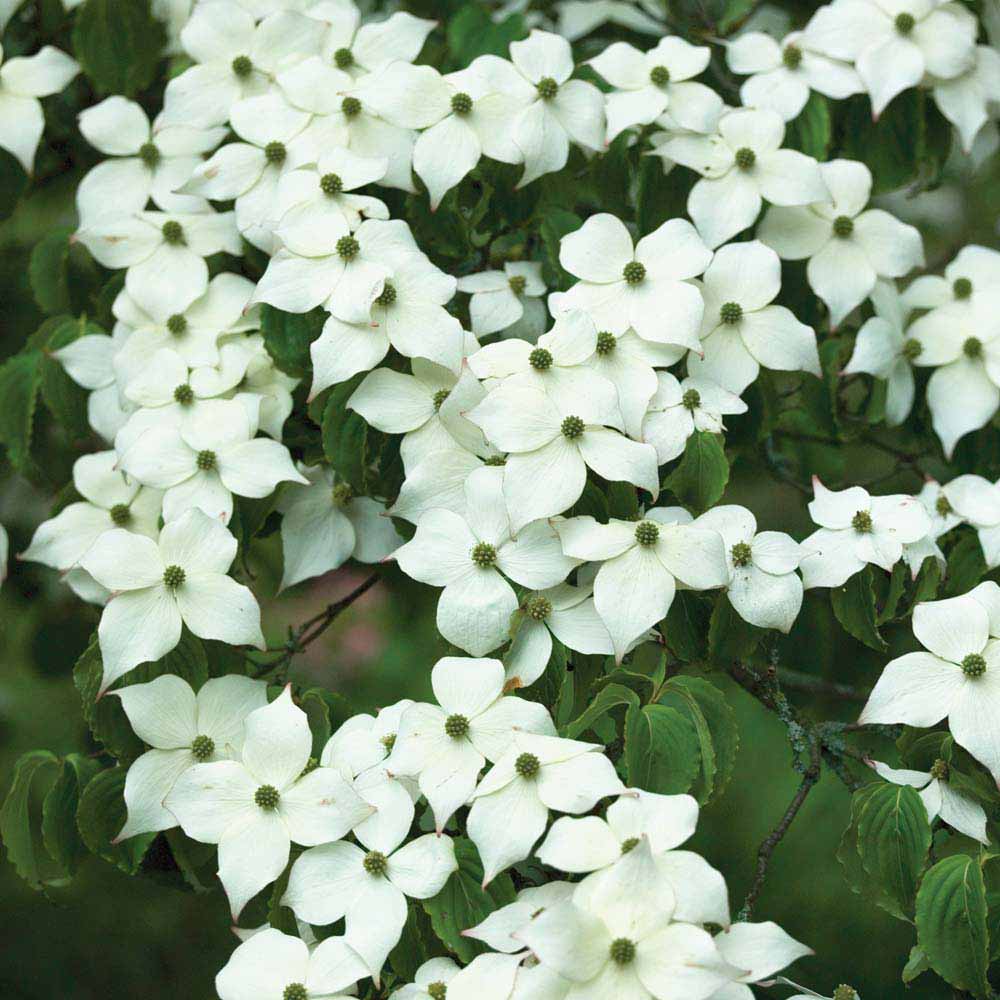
{"x": 342, "y": 494}
{"x": 731, "y": 313}
{"x": 120, "y": 514}
{"x": 527, "y": 765}
{"x": 547, "y": 88}
{"x": 149, "y": 154}
{"x": 862, "y": 522}
{"x": 202, "y": 747}
{"x": 540, "y": 359}
{"x": 275, "y": 152}
{"x": 943, "y": 505}
{"x": 973, "y": 348}
{"x": 348, "y": 248}
{"x": 331, "y": 184}
{"x": 242, "y": 66}
{"x": 184, "y": 394}
{"x": 622, "y": 951}
{"x": 267, "y": 797}
{"x": 439, "y": 397}
{"x": 843, "y": 991}
{"x": 484, "y": 555}
{"x": 605, "y": 342}
{"x": 843, "y": 226}
{"x": 634, "y": 272}
{"x": 745, "y": 158}
{"x": 691, "y": 399}
{"x": 905, "y": 23}
{"x": 437, "y": 991}
{"x": 344, "y": 58}
{"x": 173, "y": 232}
{"x": 961, "y": 288}
{"x": 741, "y": 553}
{"x": 376, "y": 863}
{"x": 630, "y": 844}
{"x": 912, "y": 348}
{"x": 538, "y": 608}
{"x": 295, "y": 991}
{"x": 456, "y": 726}
{"x": 351, "y": 107}
{"x": 647, "y": 532}
{"x": 974, "y": 665}
{"x": 388, "y": 296}
{"x": 517, "y": 283}
{"x": 173, "y": 577}
{"x": 495, "y": 460}
{"x": 177, "y": 324}
{"x": 572, "y": 428}
{"x": 461, "y": 103}
{"x": 206, "y": 460}
{"x": 388, "y": 741}
{"x": 792, "y": 56}
{"x": 940, "y": 770}
{"x": 659, "y": 76}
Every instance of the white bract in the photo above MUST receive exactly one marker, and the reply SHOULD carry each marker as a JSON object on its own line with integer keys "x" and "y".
{"x": 507, "y": 300}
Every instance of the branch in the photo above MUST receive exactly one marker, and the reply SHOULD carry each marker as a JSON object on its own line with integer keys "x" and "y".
{"x": 799, "y": 681}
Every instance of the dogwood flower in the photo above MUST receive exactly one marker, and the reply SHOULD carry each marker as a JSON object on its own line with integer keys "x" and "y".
{"x": 498, "y": 929}
{"x": 470, "y": 555}
{"x": 645, "y": 287}
{"x": 270, "y": 389}
{"x": 359, "y": 49}
{"x": 641, "y": 564}
{"x": 110, "y": 500}
{"x": 183, "y": 729}
{"x": 146, "y": 162}
{"x": 255, "y": 808}
{"x": 324, "y": 524}
{"x": 966, "y": 100}
{"x": 957, "y": 810}
{"x": 437, "y": 480}
{"x": 206, "y": 458}
{"x": 435, "y": 972}
{"x": 883, "y": 349}
{"x": 678, "y": 409}
{"x": 848, "y": 248}
{"x": 857, "y": 529}
{"x": 758, "y": 951}
{"x": 763, "y": 585}
{"x": 160, "y": 586}
{"x": 558, "y": 109}
{"x": 975, "y": 501}
{"x": 368, "y": 890}
{"x": 446, "y": 747}
{"x": 781, "y": 74}
{"x": 741, "y": 329}
{"x": 969, "y": 282}
{"x": 740, "y": 166}
{"x": 23, "y": 80}
{"x": 272, "y": 964}
{"x": 580, "y": 17}
{"x": 510, "y": 807}
{"x": 165, "y": 254}
{"x": 507, "y": 300}
{"x": 551, "y": 443}
{"x": 893, "y": 45}
{"x": 958, "y": 678}
{"x": 649, "y": 83}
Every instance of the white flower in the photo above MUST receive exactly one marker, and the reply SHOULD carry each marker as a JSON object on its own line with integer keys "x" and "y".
{"x": 368, "y": 889}
{"x": 165, "y": 254}
{"x": 645, "y": 288}
{"x": 857, "y": 529}
{"x": 507, "y": 300}
{"x": 758, "y": 951}
{"x": 23, "y": 80}
{"x": 365, "y": 48}
{"x": 634, "y": 588}
{"x": 976, "y": 501}
{"x": 560, "y": 109}
{"x": 678, "y": 409}
{"x": 510, "y": 807}
{"x": 883, "y": 349}
{"x": 894, "y": 44}
{"x": 969, "y": 281}
{"x": 270, "y": 964}
{"x": 256, "y": 808}
{"x": 616, "y": 938}
{"x": 784, "y": 73}
{"x": 272, "y": 389}
{"x": 498, "y": 928}
{"x": 740, "y": 166}
{"x": 182, "y": 729}
{"x": 148, "y": 162}
{"x": 552, "y": 442}
{"x": 763, "y": 586}
{"x": 469, "y": 556}
{"x": 848, "y": 248}
{"x": 434, "y": 972}
{"x": 958, "y": 679}
{"x": 446, "y": 747}
{"x": 206, "y": 458}
{"x": 325, "y": 524}
{"x": 969, "y": 101}
{"x": 649, "y": 83}
{"x": 110, "y": 500}
{"x": 580, "y": 17}
{"x": 436, "y": 480}
{"x": 565, "y": 611}
{"x": 957, "y": 810}
{"x": 741, "y": 329}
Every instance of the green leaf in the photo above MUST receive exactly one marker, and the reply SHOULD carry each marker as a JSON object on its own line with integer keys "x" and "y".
{"x": 345, "y": 436}
{"x": 472, "y": 33}
{"x": 700, "y": 479}
{"x": 20, "y": 380}
{"x": 916, "y": 965}
{"x": 608, "y": 698}
{"x": 463, "y": 902}
{"x": 847, "y": 850}
{"x": 729, "y": 636}
{"x": 854, "y": 606}
{"x": 416, "y": 944}
{"x": 287, "y": 337}
{"x": 557, "y": 224}
{"x": 951, "y": 923}
{"x": 893, "y": 839}
{"x": 966, "y": 566}
{"x": 59, "y": 832}
{"x": 897, "y": 584}
{"x": 62, "y": 274}
{"x": 659, "y": 197}
{"x": 65, "y": 400}
{"x": 101, "y": 815}
{"x": 118, "y": 44}
{"x": 15, "y": 816}
{"x": 686, "y": 626}
{"x": 662, "y": 750}
{"x": 812, "y": 131}
{"x": 13, "y": 183}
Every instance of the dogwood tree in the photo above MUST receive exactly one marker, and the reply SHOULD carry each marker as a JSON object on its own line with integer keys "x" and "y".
{"x": 598, "y": 323}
